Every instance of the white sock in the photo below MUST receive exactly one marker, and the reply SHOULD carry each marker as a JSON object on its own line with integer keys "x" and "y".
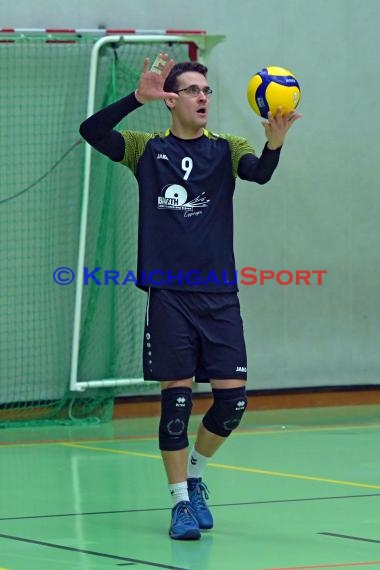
{"x": 179, "y": 492}
{"x": 196, "y": 464}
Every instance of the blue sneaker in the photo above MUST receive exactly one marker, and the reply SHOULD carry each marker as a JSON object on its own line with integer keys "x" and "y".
{"x": 198, "y": 492}
{"x": 184, "y": 525}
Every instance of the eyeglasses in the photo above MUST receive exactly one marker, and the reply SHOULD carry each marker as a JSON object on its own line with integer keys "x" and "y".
{"x": 195, "y": 90}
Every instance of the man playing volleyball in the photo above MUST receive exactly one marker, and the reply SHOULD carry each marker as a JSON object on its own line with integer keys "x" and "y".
{"x": 193, "y": 327}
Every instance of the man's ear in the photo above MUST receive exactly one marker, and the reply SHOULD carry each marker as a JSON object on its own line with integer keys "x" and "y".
{"x": 170, "y": 102}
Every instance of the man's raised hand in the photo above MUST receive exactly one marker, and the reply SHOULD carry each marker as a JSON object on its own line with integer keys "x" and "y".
{"x": 276, "y": 127}
{"x": 151, "y": 84}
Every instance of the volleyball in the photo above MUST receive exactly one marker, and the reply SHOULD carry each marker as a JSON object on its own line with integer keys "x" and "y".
{"x": 271, "y": 88}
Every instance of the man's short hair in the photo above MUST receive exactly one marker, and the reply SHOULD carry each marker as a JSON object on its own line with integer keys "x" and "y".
{"x": 171, "y": 84}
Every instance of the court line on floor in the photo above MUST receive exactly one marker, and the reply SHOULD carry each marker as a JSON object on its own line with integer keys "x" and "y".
{"x": 218, "y": 505}
{"x": 295, "y": 476}
{"x": 315, "y": 567}
{"x": 286, "y": 429}
{"x": 334, "y": 535}
{"x": 114, "y": 451}
{"x": 32, "y": 442}
{"x": 232, "y": 467}
{"x": 152, "y": 437}
{"x": 91, "y": 552}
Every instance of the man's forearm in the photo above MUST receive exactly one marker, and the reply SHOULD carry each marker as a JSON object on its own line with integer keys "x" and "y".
{"x": 256, "y": 169}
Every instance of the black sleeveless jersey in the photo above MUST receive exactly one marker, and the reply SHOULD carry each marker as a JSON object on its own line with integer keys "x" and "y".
{"x": 186, "y": 187}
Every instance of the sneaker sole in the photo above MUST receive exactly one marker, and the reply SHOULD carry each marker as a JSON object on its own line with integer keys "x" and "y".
{"x": 189, "y": 535}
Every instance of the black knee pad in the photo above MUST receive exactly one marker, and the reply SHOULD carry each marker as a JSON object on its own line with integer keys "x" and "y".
{"x": 176, "y": 404}
{"x": 227, "y": 410}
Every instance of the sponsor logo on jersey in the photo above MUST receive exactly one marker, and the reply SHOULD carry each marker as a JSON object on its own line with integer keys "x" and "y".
{"x": 175, "y": 197}
{"x": 162, "y": 156}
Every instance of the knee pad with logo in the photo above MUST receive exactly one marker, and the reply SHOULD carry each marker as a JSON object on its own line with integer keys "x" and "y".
{"x": 227, "y": 410}
{"x": 176, "y": 405}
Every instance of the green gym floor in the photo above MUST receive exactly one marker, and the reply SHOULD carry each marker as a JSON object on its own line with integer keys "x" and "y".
{"x": 289, "y": 490}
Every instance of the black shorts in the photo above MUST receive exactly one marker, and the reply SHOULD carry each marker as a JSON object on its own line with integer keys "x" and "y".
{"x": 193, "y": 335}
